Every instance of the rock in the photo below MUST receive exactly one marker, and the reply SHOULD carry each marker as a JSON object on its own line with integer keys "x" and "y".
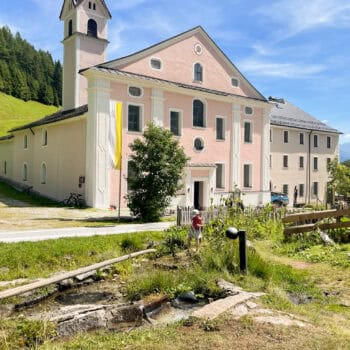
{"x": 240, "y": 310}
{"x": 7, "y": 310}
{"x": 188, "y": 297}
{"x": 65, "y": 284}
{"x": 211, "y": 311}
{"x": 279, "y": 320}
{"x": 4, "y": 269}
{"x": 13, "y": 282}
{"x": 345, "y": 303}
{"x": 326, "y": 239}
{"x": 228, "y": 287}
{"x": 251, "y": 305}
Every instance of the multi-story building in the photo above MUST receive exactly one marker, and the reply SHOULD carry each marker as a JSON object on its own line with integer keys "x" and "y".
{"x": 186, "y": 84}
{"x": 301, "y": 148}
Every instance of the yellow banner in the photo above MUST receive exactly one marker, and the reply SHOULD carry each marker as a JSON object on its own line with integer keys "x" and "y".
{"x": 119, "y": 130}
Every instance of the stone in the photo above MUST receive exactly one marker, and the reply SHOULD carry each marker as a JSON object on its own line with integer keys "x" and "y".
{"x": 213, "y": 310}
{"x": 240, "y": 310}
{"x": 251, "y": 305}
{"x": 279, "y": 321}
{"x": 229, "y": 287}
{"x": 86, "y": 275}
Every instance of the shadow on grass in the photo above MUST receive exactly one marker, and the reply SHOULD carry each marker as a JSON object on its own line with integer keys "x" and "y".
{"x": 103, "y": 220}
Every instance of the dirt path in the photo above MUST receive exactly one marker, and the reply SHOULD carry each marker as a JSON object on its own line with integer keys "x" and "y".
{"x": 17, "y": 215}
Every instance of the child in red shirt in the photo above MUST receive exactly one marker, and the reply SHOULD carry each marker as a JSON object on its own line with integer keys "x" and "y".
{"x": 195, "y": 229}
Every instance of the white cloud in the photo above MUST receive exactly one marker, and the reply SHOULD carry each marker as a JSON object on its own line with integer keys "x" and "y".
{"x": 281, "y": 70}
{"x": 300, "y": 15}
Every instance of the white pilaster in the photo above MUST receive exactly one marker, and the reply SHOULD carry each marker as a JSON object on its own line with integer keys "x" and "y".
{"x": 97, "y": 156}
{"x": 235, "y": 147}
{"x": 157, "y": 111}
{"x": 265, "y": 152}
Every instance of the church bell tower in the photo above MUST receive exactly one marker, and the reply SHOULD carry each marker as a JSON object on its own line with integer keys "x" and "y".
{"x": 85, "y": 45}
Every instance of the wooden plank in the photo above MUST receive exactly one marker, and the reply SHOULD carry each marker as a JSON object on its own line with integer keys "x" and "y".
{"x": 45, "y": 282}
{"x": 309, "y": 227}
{"x": 316, "y": 215}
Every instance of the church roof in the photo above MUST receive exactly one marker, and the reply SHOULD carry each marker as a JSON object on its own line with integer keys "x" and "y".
{"x": 55, "y": 117}
{"x": 76, "y": 3}
{"x": 7, "y": 137}
{"x": 284, "y": 113}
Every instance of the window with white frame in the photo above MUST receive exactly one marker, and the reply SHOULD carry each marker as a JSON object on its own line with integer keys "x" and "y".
{"x": 175, "y": 123}
{"x": 315, "y": 189}
{"x": 25, "y": 172}
{"x": 198, "y": 144}
{"x": 25, "y": 141}
{"x": 156, "y": 63}
{"x": 134, "y": 118}
{"x": 285, "y": 188}
{"x": 220, "y": 175}
{"x": 315, "y": 140}
{"x": 135, "y": 91}
{"x": 44, "y": 138}
{"x": 131, "y": 173}
{"x": 285, "y": 136}
{"x": 248, "y": 132}
{"x": 198, "y": 72}
{"x": 329, "y": 142}
{"x": 315, "y": 163}
{"x": 198, "y": 114}
{"x": 301, "y": 162}
{"x": 248, "y": 110}
{"x": 247, "y": 176}
{"x": 235, "y": 82}
{"x": 43, "y": 173}
{"x": 301, "y": 190}
{"x": 285, "y": 161}
{"x": 220, "y": 128}
{"x": 301, "y": 138}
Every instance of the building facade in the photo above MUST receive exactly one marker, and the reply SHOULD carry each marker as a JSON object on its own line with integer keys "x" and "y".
{"x": 301, "y": 149}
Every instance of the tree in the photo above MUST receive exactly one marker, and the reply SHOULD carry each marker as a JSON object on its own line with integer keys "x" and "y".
{"x": 347, "y": 163}
{"x": 155, "y": 172}
{"x": 340, "y": 177}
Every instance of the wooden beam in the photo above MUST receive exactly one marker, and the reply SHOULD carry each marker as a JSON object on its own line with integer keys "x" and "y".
{"x": 310, "y": 227}
{"x": 47, "y": 281}
{"x": 316, "y": 215}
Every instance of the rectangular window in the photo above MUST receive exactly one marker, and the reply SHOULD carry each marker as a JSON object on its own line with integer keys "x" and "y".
{"x": 247, "y": 176}
{"x": 270, "y": 135}
{"x": 328, "y": 162}
{"x": 5, "y": 167}
{"x": 301, "y": 190}
{"x": 301, "y": 138}
{"x": 220, "y": 129}
{"x": 315, "y": 140}
{"x": 285, "y": 136}
{"x": 315, "y": 163}
{"x": 285, "y": 161}
{"x": 220, "y": 176}
{"x": 130, "y": 173}
{"x": 285, "y": 189}
{"x": 247, "y": 132}
{"x": 134, "y": 118}
{"x": 25, "y": 141}
{"x": 270, "y": 161}
{"x": 315, "y": 188}
{"x": 175, "y": 123}
{"x": 329, "y": 142}
{"x": 301, "y": 162}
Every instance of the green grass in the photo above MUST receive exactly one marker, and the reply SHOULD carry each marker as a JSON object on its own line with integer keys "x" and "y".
{"x": 10, "y": 192}
{"x": 40, "y": 259}
{"x": 15, "y": 112}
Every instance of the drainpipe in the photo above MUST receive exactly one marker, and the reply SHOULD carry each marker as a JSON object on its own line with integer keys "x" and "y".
{"x": 308, "y": 176}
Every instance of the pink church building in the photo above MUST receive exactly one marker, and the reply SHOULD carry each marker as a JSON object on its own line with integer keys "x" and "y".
{"x": 185, "y": 84}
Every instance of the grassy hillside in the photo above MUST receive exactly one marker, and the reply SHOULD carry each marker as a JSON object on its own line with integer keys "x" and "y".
{"x": 15, "y": 112}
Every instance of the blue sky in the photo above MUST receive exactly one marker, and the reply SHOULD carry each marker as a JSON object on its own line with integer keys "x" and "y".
{"x": 295, "y": 49}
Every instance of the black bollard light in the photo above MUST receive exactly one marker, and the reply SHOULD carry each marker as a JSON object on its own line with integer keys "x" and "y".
{"x": 233, "y": 233}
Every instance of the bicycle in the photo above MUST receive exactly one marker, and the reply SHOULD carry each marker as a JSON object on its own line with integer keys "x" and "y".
{"x": 74, "y": 200}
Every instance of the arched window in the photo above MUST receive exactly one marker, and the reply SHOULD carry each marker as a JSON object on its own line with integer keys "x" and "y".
{"x": 92, "y": 28}
{"x": 198, "y": 72}
{"x": 25, "y": 172}
{"x": 70, "y": 28}
{"x": 43, "y": 173}
{"x": 198, "y": 113}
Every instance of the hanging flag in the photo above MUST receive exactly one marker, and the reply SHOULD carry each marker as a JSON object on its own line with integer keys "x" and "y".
{"x": 115, "y": 134}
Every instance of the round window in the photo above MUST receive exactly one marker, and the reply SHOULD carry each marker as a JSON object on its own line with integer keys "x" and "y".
{"x": 198, "y": 144}
{"x": 135, "y": 91}
{"x": 248, "y": 110}
{"x": 198, "y": 49}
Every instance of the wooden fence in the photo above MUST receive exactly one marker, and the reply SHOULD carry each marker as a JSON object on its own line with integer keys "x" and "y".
{"x": 306, "y": 222}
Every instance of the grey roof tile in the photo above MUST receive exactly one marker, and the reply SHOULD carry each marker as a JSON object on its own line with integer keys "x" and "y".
{"x": 284, "y": 113}
{"x": 56, "y": 117}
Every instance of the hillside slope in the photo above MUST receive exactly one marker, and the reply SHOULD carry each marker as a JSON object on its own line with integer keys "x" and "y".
{"x": 15, "y": 112}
